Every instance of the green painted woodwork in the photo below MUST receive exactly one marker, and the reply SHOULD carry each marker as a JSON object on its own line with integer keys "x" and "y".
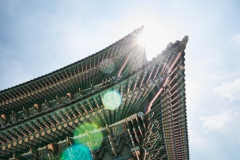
{"x": 70, "y": 109}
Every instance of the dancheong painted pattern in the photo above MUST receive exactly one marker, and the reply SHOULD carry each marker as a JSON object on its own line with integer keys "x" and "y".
{"x": 113, "y": 104}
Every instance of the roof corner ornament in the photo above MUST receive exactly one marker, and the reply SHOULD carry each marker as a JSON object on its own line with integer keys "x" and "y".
{"x": 16, "y": 157}
{"x": 47, "y": 103}
{"x": 13, "y": 117}
{"x": 69, "y": 140}
{"x": 58, "y": 100}
{"x": 34, "y": 152}
{"x": 37, "y": 108}
{"x": 92, "y": 87}
{"x": 4, "y": 118}
{"x": 69, "y": 96}
{"x": 25, "y": 112}
{"x": 80, "y": 92}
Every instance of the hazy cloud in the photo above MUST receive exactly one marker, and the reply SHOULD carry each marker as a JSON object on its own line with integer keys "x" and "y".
{"x": 237, "y": 39}
{"x": 230, "y": 90}
{"x": 218, "y": 121}
{"x": 223, "y": 75}
{"x": 197, "y": 140}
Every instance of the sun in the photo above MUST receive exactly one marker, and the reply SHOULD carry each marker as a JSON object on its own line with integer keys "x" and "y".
{"x": 142, "y": 39}
{"x": 155, "y": 35}
{"x": 150, "y": 39}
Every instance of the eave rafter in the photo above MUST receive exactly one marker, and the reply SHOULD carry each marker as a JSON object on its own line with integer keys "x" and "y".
{"x": 75, "y": 101}
{"x": 131, "y": 126}
{"x": 135, "y": 80}
{"x": 66, "y": 78}
{"x": 132, "y": 89}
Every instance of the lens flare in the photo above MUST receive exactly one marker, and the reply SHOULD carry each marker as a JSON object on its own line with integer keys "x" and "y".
{"x": 111, "y": 100}
{"x": 107, "y": 66}
{"x": 93, "y": 140}
{"x": 76, "y": 152}
{"x": 142, "y": 39}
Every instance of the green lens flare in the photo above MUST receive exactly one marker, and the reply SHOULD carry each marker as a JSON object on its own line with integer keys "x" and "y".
{"x": 111, "y": 100}
{"x": 92, "y": 139}
{"x": 76, "y": 152}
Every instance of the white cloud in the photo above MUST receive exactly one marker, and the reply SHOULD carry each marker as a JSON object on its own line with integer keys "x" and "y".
{"x": 229, "y": 90}
{"x": 217, "y": 122}
{"x": 236, "y": 39}
{"x": 192, "y": 89}
{"x": 196, "y": 139}
{"x": 225, "y": 74}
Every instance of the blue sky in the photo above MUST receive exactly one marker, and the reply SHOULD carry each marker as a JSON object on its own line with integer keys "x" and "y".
{"x": 37, "y": 37}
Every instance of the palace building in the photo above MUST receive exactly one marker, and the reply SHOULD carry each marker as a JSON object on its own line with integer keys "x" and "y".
{"x": 112, "y": 105}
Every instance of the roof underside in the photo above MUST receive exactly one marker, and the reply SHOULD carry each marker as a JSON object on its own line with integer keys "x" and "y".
{"x": 149, "y": 123}
{"x": 75, "y": 77}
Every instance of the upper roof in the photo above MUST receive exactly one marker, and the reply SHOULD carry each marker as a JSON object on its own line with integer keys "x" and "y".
{"x": 66, "y": 79}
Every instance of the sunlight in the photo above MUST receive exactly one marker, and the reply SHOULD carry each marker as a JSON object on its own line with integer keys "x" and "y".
{"x": 156, "y": 35}
{"x": 142, "y": 39}
{"x": 152, "y": 38}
